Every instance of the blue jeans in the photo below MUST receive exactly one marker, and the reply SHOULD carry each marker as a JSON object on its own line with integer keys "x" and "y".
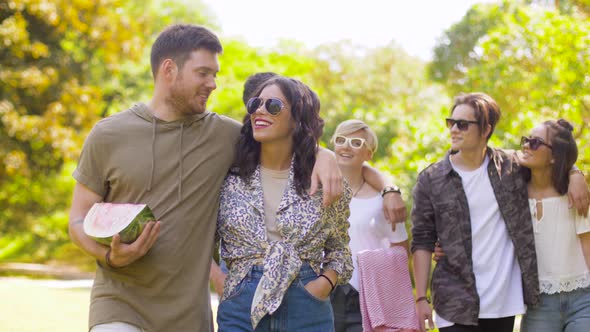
{"x": 300, "y": 311}
{"x": 565, "y": 311}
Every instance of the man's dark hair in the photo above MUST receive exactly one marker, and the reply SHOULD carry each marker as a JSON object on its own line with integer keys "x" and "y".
{"x": 253, "y": 82}
{"x": 177, "y": 41}
{"x": 487, "y": 112}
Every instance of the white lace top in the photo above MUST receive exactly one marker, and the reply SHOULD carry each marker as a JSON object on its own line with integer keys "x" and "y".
{"x": 560, "y": 259}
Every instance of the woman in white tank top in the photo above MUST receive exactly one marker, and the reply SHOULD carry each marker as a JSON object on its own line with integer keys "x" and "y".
{"x": 354, "y": 143}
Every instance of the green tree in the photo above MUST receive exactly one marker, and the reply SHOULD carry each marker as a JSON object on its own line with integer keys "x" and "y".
{"x": 572, "y": 7}
{"x": 455, "y": 50}
{"x": 534, "y": 62}
{"x": 390, "y": 91}
{"x": 83, "y": 70}
{"x": 56, "y": 54}
{"x": 239, "y": 60}
{"x": 64, "y": 65}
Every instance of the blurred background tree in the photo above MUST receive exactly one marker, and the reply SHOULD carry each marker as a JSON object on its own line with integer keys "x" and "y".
{"x": 66, "y": 64}
{"x": 533, "y": 57}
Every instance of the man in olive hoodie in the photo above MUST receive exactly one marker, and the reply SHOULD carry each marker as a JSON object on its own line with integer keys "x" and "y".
{"x": 173, "y": 155}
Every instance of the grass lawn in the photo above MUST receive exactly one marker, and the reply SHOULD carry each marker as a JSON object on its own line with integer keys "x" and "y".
{"x": 42, "y": 306}
{"x": 30, "y": 305}
{"x": 33, "y": 305}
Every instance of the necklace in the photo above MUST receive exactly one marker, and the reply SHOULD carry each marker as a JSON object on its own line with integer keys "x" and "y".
{"x": 358, "y": 189}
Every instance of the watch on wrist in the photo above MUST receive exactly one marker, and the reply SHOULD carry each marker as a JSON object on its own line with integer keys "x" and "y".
{"x": 390, "y": 189}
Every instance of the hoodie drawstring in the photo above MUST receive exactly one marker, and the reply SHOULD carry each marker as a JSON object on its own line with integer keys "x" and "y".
{"x": 149, "y": 188}
{"x": 180, "y": 164}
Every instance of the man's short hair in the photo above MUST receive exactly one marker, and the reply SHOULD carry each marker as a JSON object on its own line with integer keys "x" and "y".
{"x": 350, "y": 126}
{"x": 486, "y": 110}
{"x": 177, "y": 41}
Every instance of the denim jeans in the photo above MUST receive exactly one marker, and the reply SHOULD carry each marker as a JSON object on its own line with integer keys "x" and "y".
{"x": 299, "y": 311}
{"x": 565, "y": 311}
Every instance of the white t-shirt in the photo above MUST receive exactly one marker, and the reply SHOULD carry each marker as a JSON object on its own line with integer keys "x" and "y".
{"x": 560, "y": 258}
{"x": 497, "y": 273}
{"x": 370, "y": 230}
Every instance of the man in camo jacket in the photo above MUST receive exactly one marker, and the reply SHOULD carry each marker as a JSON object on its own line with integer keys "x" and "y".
{"x": 474, "y": 204}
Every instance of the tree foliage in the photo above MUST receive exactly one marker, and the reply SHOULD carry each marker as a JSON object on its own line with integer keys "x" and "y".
{"x": 534, "y": 61}
{"x": 66, "y": 64}
{"x": 389, "y": 90}
{"x": 456, "y": 49}
{"x": 56, "y": 54}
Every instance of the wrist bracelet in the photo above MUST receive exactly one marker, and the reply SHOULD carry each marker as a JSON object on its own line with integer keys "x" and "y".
{"x": 330, "y": 281}
{"x": 423, "y": 298}
{"x": 107, "y": 259}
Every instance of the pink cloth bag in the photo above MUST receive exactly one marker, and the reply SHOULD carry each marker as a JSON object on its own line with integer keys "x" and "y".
{"x": 386, "y": 298}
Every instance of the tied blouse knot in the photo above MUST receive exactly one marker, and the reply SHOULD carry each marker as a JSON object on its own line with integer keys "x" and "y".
{"x": 311, "y": 234}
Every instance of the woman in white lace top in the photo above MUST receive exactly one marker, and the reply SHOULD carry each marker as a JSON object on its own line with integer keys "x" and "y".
{"x": 562, "y": 237}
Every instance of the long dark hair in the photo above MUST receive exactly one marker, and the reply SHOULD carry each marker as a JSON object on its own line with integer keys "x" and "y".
{"x": 564, "y": 152}
{"x": 305, "y": 109}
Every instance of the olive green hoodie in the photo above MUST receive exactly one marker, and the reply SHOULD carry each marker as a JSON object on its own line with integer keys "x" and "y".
{"x": 177, "y": 168}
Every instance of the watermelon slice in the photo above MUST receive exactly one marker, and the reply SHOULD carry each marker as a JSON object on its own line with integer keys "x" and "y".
{"x": 107, "y": 219}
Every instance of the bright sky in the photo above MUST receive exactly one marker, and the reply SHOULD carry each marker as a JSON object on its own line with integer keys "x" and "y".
{"x": 414, "y": 24}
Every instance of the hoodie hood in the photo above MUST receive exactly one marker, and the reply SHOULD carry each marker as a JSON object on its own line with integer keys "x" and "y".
{"x": 143, "y": 112}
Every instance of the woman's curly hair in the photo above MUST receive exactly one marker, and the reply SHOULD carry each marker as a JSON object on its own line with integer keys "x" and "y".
{"x": 305, "y": 109}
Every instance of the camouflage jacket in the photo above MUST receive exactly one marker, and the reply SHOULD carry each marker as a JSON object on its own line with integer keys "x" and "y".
{"x": 441, "y": 213}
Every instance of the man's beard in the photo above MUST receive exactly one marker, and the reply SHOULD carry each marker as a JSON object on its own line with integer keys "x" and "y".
{"x": 180, "y": 101}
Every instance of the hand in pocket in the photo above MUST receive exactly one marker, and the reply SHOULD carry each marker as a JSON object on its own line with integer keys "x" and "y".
{"x": 319, "y": 288}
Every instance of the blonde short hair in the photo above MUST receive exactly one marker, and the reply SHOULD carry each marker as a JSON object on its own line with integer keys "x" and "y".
{"x": 350, "y": 126}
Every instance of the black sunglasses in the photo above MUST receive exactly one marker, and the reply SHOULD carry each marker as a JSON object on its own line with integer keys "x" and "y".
{"x": 462, "y": 125}
{"x": 533, "y": 142}
{"x": 273, "y": 105}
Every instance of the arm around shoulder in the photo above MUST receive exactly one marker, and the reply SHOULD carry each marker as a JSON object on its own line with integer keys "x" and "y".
{"x": 578, "y": 192}
{"x": 394, "y": 208}
{"x": 337, "y": 251}
{"x": 327, "y": 173}
{"x": 375, "y": 178}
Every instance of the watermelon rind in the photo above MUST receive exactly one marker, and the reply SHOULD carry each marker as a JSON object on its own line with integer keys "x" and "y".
{"x": 104, "y": 220}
